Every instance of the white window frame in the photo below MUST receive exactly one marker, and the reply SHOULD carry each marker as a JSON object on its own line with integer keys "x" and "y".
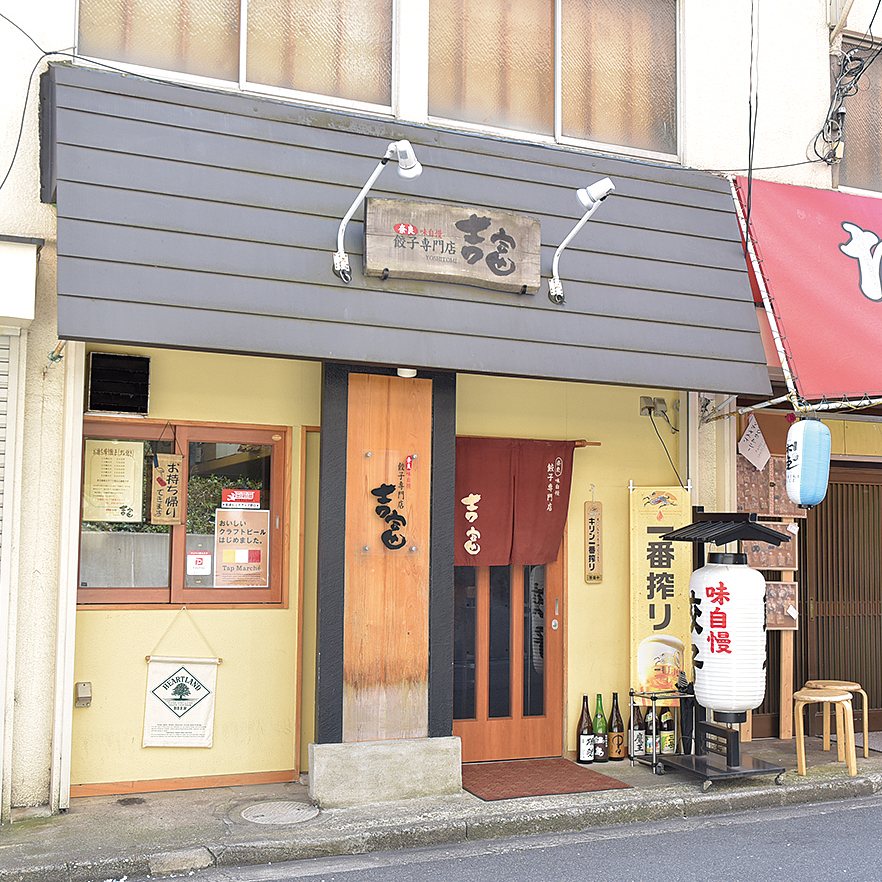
{"x": 409, "y": 98}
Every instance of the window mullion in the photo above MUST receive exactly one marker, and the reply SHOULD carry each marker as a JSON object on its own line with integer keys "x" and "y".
{"x": 558, "y": 71}
{"x": 178, "y": 543}
{"x": 410, "y": 60}
{"x": 243, "y": 42}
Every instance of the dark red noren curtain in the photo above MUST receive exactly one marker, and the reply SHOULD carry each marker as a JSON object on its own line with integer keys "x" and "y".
{"x": 484, "y": 501}
{"x": 512, "y": 497}
{"x": 543, "y": 476}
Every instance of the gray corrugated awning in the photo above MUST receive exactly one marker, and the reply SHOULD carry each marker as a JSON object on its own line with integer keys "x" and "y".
{"x": 207, "y": 220}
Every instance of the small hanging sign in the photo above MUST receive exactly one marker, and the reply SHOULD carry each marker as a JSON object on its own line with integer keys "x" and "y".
{"x": 752, "y": 445}
{"x": 179, "y": 711}
{"x": 165, "y": 497}
{"x": 593, "y": 541}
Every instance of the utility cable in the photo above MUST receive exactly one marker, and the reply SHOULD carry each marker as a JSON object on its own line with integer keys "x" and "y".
{"x": 665, "y": 446}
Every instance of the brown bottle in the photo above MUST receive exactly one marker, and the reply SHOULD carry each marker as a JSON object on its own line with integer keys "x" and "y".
{"x": 585, "y": 735}
{"x": 618, "y": 746}
{"x": 636, "y": 734}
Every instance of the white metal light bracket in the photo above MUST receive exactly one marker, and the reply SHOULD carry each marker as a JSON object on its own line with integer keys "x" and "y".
{"x": 590, "y": 198}
{"x": 408, "y": 167}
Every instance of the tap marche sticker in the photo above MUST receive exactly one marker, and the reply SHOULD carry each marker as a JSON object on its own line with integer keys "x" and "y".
{"x": 241, "y": 548}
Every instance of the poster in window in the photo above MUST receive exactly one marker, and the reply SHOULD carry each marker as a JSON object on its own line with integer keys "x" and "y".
{"x": 165, "y": 497}
{"x": 241, "y": 548}
{"x": 113, "y": 481}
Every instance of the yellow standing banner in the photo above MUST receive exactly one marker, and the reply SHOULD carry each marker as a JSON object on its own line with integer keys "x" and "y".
{"x": 661, "y": 644}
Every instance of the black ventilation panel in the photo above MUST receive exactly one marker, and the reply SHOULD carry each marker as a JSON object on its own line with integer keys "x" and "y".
{"x": 118, "y": 383}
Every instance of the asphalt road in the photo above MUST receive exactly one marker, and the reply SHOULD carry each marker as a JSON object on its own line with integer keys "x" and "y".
{"x": 814, "y": 842}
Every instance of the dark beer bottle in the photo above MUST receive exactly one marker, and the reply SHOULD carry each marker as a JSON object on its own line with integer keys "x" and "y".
{"x": 636, "y": 734}
{"x": 618, "y": 749}
{"x": 585, "y": 735}
{"x": 601, "y": 742}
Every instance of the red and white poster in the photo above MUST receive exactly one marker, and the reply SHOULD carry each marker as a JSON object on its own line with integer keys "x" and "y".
{"x": 240, "y": 498}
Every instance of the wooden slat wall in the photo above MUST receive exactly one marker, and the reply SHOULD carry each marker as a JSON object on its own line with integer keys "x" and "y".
{"x": 848, "y": 590}
{"x": 207, "y": 220}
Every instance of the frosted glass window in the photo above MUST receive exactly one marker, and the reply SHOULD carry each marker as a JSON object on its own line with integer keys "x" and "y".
{"x": 199, "y": 37}
{"x": 861, "y": 165}
{"x": 619, "y": 72}
{"x": 341, "y": 48}
{"x": 492, "y": 62}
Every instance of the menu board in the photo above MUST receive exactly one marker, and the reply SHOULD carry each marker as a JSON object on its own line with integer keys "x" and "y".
{"x": 113, "y": 481}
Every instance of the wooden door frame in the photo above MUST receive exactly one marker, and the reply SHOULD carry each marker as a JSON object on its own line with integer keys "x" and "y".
{"x": 482, "y": 736}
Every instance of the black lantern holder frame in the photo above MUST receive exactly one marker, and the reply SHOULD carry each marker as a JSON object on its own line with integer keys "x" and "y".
{"x": 717, "y": 747}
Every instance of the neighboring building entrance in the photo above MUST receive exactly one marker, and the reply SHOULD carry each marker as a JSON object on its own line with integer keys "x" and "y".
{"x": 508, "y": 661}
{"x": 841, "y": 589}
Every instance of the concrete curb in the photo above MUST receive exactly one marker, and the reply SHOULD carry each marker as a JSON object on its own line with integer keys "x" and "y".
{"x": 449, "y": 825}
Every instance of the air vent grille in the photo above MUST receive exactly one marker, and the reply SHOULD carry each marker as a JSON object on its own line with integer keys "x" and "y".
{"x": 118, "y": 383}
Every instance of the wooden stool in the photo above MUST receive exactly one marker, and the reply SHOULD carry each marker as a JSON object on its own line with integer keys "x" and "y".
{"x": 844, "y": 723}
{"x": 848, "y": 686}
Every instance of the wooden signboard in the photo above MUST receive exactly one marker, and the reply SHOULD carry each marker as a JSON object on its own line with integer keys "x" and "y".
{"x": 782, "y": 611}
{"x": 165, "y": 496}
{"x": 764, "y": 492}
{"x": 451, "y": 243}
{"x": 593, "y": 542}
{"x": 765, "y": 556}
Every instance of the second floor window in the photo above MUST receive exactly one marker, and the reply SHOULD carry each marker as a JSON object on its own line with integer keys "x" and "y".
{"x": 609, "y": 76}
{"x": 341, "y": 49}
{"x": 580, "y": 71}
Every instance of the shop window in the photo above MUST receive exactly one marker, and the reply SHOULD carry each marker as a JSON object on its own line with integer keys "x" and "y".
{"x": 492, "y": 62}
{"x": 176, "y": 513}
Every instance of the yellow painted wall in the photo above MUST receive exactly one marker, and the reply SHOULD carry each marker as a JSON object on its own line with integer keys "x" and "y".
{"x": 254, "y": 729}
{"x": 598, "y": 622}
{"x": 855, "y": 437}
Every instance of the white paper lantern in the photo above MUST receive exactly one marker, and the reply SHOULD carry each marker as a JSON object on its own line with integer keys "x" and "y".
{"x": 808, "y": 462}
{"x": 729, "y": 636}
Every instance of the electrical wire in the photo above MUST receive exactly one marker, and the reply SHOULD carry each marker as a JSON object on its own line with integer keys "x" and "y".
{"x": 827, "y": 143}
{"x": 752, "y": 111}
{"x": 665, "y": 446}
{"x": 43, "y": 55}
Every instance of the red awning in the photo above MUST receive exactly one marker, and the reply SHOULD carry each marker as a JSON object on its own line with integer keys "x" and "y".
{"x": 819, "y": 256}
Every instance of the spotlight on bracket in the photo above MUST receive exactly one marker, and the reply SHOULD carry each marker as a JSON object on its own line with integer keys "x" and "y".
{"x": 590, "y": 197}
{"x": 408, "y": 167}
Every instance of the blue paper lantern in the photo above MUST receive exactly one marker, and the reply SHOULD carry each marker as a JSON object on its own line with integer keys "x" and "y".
{"x": 808, "y": 462}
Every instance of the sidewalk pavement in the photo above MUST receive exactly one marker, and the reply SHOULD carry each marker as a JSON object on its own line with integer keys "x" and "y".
{"x": 173, "y": 833}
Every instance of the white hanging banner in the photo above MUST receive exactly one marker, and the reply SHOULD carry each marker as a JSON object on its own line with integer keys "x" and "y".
{"x": 179, "y": 711}
{"x": 753, "y": 445}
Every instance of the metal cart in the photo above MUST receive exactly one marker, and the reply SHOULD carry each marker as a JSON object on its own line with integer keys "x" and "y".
{"x": 717, "y": 748}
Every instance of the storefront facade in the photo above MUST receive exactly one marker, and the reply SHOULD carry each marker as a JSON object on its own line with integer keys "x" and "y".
{"x": 196, "y": 229}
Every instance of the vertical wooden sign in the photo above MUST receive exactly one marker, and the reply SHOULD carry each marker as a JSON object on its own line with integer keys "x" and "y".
{"x": 386, "y": 605}
{"x": 593, "y": 541}
{"x": 165, "y": 486}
